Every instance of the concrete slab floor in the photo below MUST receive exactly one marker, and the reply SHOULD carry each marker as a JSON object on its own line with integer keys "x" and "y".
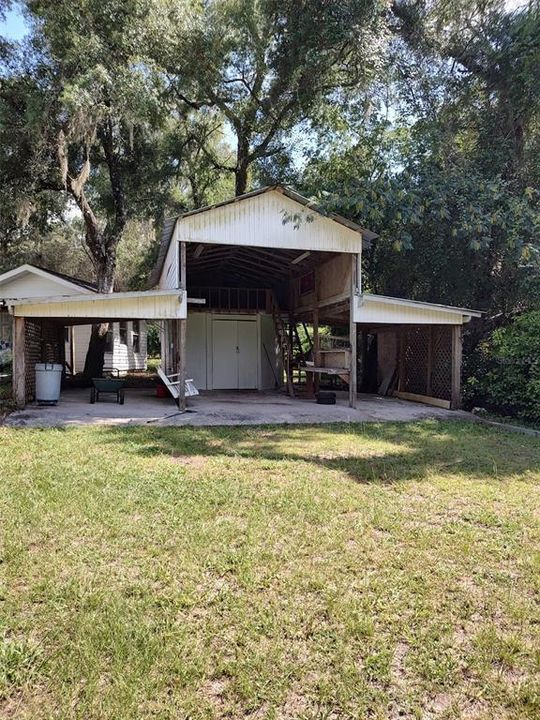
{"x": 220, "y": 408}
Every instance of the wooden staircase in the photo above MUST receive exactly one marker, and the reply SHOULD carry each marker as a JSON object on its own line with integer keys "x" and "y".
{"x": 284, "y": 343}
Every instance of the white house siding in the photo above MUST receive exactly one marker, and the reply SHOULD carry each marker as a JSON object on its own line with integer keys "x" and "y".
{"x": 122, "y": 357}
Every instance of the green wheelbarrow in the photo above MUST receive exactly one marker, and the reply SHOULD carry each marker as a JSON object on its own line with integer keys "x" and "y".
{"x": 107, "y": 386}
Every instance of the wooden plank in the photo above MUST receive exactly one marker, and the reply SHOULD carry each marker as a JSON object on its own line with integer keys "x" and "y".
{"x": 19, "y": 362}
{"x": 457, "y": 353}
{"x": 353, "y": 338}
{"x": 321, "y": 370}
{"x": 426, "y": 399}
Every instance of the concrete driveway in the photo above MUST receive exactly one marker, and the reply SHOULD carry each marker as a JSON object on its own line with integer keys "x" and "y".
{"x": 220, "y": 408}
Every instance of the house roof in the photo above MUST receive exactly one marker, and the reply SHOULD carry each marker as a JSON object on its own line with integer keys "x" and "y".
{"x": 170, "y": 223}
{"x": 67, "y": 280}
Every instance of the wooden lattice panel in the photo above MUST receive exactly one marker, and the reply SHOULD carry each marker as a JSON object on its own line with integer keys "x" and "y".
{"x": 426, "y": 361}
{"x": 415, "y": 360}
{"x": 441, "y": 372}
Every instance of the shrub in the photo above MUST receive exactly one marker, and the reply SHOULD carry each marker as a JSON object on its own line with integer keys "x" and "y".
{"x": 506, "y": 378}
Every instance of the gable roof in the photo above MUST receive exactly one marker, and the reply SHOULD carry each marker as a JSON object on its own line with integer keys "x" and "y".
{"x": 70, "y": 282}
{"x": 170, "y": 223}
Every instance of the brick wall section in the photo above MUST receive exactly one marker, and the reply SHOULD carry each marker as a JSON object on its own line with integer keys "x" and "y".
{"x": 43, "y": 342}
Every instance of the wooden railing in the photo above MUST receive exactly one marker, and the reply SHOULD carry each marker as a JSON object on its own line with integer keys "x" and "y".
{"x": 232, "y": 299}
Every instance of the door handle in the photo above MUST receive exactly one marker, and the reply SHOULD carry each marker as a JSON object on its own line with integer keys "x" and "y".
{"x": 237, "y": 349}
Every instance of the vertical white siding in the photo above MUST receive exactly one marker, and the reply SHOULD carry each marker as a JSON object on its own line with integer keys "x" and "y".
{"x": 196, "y": 349}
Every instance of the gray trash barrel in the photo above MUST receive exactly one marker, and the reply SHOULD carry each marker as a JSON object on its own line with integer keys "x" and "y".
{"x": 48, "y": 379}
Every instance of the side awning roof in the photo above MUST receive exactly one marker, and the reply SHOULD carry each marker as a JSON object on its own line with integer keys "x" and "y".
{"x": 147, "y": 305}
{"x": 384, "y": 310}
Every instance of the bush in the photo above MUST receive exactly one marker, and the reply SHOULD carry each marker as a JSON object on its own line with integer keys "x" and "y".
{"x": 506, "y": 379}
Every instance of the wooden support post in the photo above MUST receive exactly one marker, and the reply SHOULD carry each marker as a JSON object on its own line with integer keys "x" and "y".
{"x": 72, "y": 356}
{"x": 316, "y": 353}
{"x": 457, "y": 353}
{"x": 292, "y": 325}
{"x": 181, "y": 331}
{"x": 19, "y": 362}
{"x": 402, "y": 338}
{"x": 316, "y": 341}
{"x": 429, "y": 363}
{"x": 181, "y": 353}
{"x": 182, "y": 265}
{"x": 353, "y": 339}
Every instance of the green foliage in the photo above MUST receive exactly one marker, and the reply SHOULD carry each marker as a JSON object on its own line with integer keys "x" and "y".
{"x": 507, "y": 376}
{"x": 266, "y": 66}
{"x": 153, "y": 339}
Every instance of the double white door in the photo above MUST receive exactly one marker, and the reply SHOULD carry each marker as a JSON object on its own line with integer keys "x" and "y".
{"x": 234, "y": 354}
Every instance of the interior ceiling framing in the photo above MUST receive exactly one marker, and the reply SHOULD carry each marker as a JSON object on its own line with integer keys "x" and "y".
{"x": 233, "y": 265}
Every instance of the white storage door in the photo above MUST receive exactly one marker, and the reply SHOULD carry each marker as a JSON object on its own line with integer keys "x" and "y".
{"x": 225, "y": 356}
{"x": 247, "y": 355}
{"x": 234, "y": 354}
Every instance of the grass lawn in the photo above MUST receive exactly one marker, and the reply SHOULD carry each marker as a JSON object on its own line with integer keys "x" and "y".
{"x": 377, "y": 571}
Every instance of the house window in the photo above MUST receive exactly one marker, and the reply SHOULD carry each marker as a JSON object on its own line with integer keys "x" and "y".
{"x": 109, "y": 339}
{"x": 136, "y": 335}
{"x": 123, "y": 333}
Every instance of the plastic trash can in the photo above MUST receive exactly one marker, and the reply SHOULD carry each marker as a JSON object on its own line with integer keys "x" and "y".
{"x": 48, "y": 380}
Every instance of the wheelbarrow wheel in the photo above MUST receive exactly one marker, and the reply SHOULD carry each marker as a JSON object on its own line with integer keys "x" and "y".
{"x": 121, "y": 397}
{"x": 92, "y": 395}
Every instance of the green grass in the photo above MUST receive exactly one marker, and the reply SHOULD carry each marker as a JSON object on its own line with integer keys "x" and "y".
{"x": 378, "y": 571}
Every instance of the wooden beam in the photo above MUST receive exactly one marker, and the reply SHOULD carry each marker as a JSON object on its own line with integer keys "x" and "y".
{"x": 457, "y": 353}
{"x": 425, "y": 399}
{"x": 19, "y": 362}
{"x": 181, "y": 336}
{"x": 353, "y": 339}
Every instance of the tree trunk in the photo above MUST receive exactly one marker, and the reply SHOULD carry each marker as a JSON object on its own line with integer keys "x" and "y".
{"x": 95, "y": 356}
{"x": 242, "y": 165}
{"x": 241, "y": 175}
